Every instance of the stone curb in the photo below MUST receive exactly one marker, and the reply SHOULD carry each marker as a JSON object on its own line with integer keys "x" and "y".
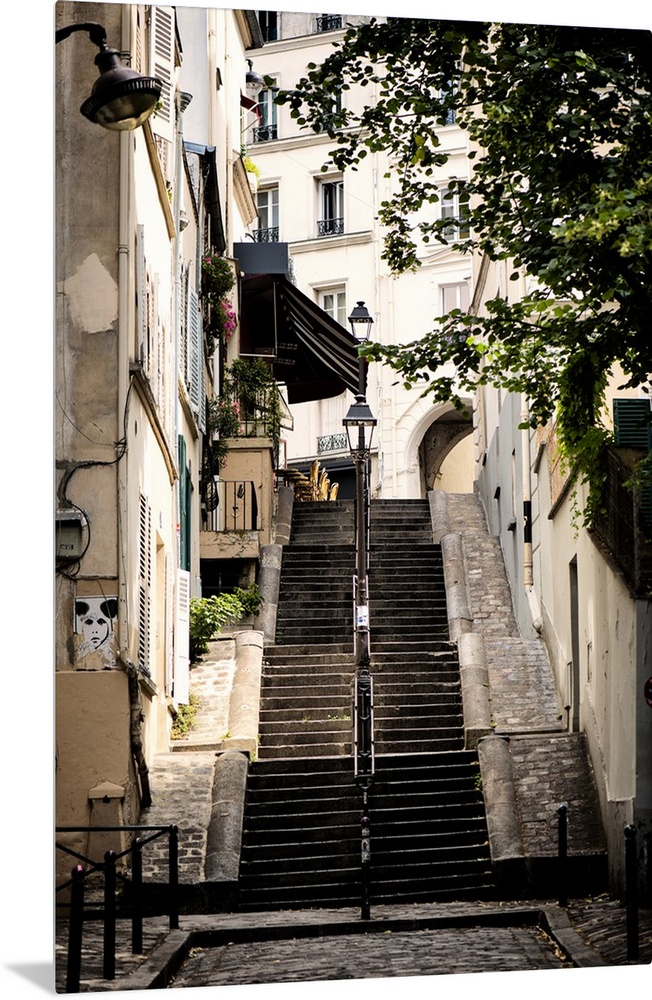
{"x": 505, "y": 840}
{"x": 460, "y": 619}
{"x": 244, "y": 705}
{"x": 475, "y": 688}
{"x": 271, "y": 558}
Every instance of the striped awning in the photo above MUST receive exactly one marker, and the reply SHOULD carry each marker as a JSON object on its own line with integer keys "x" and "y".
{"x": 310, "y": 352}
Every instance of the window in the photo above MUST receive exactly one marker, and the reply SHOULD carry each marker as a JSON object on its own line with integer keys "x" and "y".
{"x": 333, "y": 302}
{"x": 455, "y": 297}
{"x": 331, "y": 221}
{"x": 268, "y": 20}
{"x": 454, "y": 206}
{"x": 267, "y": 204}
{"x": 267, "y": 127}
{"x": 329, "y": 22}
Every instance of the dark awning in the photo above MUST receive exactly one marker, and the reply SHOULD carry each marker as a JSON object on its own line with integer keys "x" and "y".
{"x": 310, "y": 353}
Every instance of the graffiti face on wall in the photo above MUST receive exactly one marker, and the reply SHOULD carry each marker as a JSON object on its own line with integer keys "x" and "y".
{"x": 94, "y": 617}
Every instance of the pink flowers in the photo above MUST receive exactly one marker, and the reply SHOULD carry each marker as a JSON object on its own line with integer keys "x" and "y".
{"x": 228, "y": 320}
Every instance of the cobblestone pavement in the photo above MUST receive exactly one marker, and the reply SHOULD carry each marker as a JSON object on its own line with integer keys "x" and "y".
{"x": 361, "y": 956}
{"x": 313, "y": 945}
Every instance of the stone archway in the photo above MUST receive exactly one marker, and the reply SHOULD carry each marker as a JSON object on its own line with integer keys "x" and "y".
{"x": 423, "y": 437}
{"x": 440, "y": 439}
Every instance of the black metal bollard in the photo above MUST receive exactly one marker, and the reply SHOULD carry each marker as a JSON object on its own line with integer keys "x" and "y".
{"x": 365, "y": 845}
{"x": 173, "y": 877}
{"x": 75, "y": 930}
{"x": 631, "y": 893}
{"x": 562, "y": 854}
{"x": 137, "y": 899}
{"x": 108, "y": 965}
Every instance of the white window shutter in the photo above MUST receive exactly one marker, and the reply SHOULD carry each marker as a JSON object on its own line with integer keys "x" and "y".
{"x": 182, "y": 640}
{"x": 196, "y": 361}
{"x": 162, "y": 67}
{"x": 144, "y": 583}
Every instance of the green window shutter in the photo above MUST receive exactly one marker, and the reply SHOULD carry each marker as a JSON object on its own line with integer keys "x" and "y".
{"x": 184, "y": 507}
{"x": 632, "y": 425}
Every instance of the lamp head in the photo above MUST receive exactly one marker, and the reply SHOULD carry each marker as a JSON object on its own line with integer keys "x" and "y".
{"x": 359, "y": 423}
{"x": 361, "y": 322}
{"x": 121, "y": 99}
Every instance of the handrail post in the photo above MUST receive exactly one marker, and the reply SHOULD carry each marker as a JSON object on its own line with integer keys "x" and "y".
{"x": 75, "y": 930}
{"x": 173, "y": 862}
{"x": 562, "y": 838}
{"x": 365, "y": 843}
{"x": 108, "y": 967}
{"x": 631, "y": 893}
{"x": 137, "y": 900}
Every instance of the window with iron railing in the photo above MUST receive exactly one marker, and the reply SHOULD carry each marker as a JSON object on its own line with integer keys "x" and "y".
{"x": 267, "y": 128}
{"x": 268, "y": 219}
{"x": 331, "y": 222}
{"x": 329, "y": 22}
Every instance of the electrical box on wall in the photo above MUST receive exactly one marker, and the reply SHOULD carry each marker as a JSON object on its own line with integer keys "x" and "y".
{"x": 69, "y": 534}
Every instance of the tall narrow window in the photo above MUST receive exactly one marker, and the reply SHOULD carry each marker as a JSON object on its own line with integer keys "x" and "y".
{"x": 268, "y": 20}
{"x": 267, "y": 204}
{"x": 333, "y": 302}
{"x": 454, "y": 205}
{"x": 267, "y": 127}
{"x": 331, "y": 222}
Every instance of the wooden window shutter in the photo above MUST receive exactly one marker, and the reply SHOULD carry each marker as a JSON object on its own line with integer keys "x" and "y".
{"x": 197, "y": 378}
{"x": 632, "y": 426}
{"x": 162, "y": 67}
{"x": 144, "y": 583}
{"x": 181, "y": 691}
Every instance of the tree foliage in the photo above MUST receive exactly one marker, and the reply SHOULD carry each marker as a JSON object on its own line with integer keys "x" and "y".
{"x": 559, "y": 124}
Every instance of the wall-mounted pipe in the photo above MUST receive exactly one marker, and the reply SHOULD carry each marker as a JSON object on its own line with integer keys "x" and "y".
{"x": 528, "y": 562}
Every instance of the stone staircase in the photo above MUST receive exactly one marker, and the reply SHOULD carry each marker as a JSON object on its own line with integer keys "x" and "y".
{"x": 301, "y": 834}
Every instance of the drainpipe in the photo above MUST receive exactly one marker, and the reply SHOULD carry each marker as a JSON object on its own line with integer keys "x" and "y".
{"x": 136, "y": 718}
{"x": 528, "y": 577}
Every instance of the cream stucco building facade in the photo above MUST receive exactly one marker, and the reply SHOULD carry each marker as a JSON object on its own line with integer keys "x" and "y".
{"x": 330, "y": 223}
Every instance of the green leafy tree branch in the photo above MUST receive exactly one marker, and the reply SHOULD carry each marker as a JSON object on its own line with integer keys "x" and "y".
{"x": 559, "y": 126}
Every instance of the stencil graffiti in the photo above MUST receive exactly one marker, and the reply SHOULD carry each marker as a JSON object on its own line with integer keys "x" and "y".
{"x": 94, "y": 617}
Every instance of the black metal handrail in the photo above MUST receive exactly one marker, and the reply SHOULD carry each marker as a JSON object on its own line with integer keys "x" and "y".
{"x": 230, "y": 505}
{"x": 109, "y": 908}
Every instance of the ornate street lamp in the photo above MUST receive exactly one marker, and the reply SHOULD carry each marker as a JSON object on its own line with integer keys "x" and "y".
{"x": 121, "y": 99}
{"x": 359, "y": 424}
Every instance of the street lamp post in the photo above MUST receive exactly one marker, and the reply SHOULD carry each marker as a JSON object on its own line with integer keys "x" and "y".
{"x": 359, "y": 423}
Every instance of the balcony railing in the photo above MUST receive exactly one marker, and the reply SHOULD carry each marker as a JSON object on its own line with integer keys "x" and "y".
{"x": 230, "y": 505}
{"x": 623, "y": 525}
{"x": 269, "y": 235}
{"x": 330, "y": 227}
{"x": 263, "y": 133}
{"x": 329, "y": 22}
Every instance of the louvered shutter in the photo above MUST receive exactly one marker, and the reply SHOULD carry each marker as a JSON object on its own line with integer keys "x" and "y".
{"x": 632, "y": 425}
{"x": 197, "y": 387}
{"x": 144, "y": 582}
{"x": 162, "y": 67}
{"x": 181, "y": 691}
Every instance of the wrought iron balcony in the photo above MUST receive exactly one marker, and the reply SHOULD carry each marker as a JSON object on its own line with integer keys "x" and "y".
{"x": 264, "y": 133}
{"x": 329, "y": 22}
{"x": 269, "y": 235}
{"x": 230, "y": 505}
{"x": 330, "y": 227}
